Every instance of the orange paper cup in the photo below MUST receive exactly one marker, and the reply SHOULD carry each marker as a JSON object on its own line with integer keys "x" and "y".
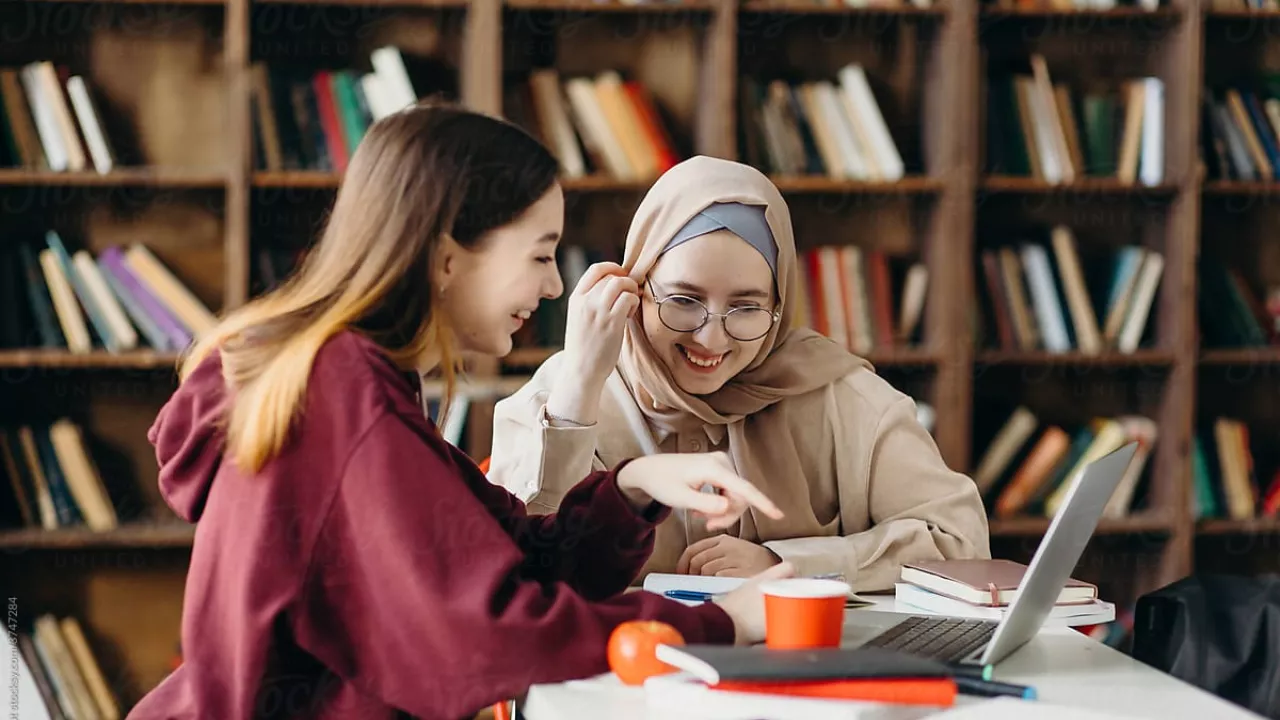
{"x": 803, "y": 612}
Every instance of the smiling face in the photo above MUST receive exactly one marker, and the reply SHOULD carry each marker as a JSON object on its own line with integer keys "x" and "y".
{"x": 491, "y": 290}
{"x": 723, "y": 272}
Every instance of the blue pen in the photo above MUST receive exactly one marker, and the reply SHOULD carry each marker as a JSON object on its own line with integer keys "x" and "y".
{"x": 688, "y": 595}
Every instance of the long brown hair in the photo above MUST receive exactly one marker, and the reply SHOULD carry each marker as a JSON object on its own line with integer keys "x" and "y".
{"x": 431, "y": 170}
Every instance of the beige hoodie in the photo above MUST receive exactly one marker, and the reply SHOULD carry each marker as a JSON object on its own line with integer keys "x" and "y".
{"x": 831, "y": 443}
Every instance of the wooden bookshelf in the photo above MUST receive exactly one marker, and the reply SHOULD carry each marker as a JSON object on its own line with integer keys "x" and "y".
{"x": 189, "y": 188}
{"x": 134, "y": 359}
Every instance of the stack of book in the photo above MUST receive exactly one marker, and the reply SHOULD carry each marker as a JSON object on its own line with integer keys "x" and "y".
{"x": 1242, "y": 137}
{"x": 1041, "y": 295}
{"x": 1037, "y": 128}
{"x": 54, "y": 674}
{"x": 49, "y": 121}
{"x": 1227, "y": 480}
{"x": 53, "y": 481}
{"x": 606, "y": 124}
{"x": 123, "y": 299}
{"x": 1232, "y": 314}
{"x": 984, "y": 589}
{"x": 848, "y": 294}
{"x": 826, "y": 128}
{"x": 720, "y": 681}
{"x": 313, "y": 120}
{"x": 1021, "y": 476}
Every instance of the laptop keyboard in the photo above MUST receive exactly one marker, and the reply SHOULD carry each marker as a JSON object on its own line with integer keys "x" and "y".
{"x": 938, "y": 638}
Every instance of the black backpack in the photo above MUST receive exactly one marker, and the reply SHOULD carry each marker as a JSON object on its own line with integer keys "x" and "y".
{"x": 1217, "y": 632}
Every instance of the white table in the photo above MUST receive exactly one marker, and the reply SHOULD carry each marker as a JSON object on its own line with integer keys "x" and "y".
{"x": 1066, "y": 668}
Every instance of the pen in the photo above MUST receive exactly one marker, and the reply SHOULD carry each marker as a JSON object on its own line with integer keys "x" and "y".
{"x": 993, "y": 688}
{"x": 688, "y": 595}
{"x": 976, "y": 672}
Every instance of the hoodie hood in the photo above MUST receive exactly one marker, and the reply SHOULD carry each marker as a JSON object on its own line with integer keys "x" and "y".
{"x": 188, "y": 438}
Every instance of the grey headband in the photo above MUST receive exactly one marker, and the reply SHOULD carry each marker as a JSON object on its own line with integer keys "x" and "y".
{"x": 746, "y": 221}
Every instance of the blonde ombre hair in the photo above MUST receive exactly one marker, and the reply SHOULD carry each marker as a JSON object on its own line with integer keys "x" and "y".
{"x": 431, "y": 171}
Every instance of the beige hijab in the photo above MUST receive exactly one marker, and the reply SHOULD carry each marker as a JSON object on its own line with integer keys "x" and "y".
{"x": 791, "y": 361}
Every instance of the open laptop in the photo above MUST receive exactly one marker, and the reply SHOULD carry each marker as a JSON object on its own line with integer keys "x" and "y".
{"x": 983, "y": 643}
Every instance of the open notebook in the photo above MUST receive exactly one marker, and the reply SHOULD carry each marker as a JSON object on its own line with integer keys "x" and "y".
{"x": 662, "y": 583}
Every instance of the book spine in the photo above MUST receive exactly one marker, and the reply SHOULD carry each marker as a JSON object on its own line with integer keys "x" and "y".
{"x": 41, "y": 302}
{"x": 179, "y": 336}
{"x": 87, "y": 301}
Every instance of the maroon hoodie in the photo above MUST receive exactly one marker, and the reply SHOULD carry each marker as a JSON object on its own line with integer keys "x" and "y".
{"x": 370, "y": 570}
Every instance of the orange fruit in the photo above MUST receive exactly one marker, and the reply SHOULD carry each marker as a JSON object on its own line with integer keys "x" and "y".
{"x": 633, "y": 646}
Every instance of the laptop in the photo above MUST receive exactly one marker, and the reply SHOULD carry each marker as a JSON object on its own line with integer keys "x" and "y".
{"x": 984, "y": 643}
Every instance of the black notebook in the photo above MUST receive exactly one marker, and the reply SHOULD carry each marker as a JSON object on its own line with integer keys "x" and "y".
{"x": 714, "y": 663}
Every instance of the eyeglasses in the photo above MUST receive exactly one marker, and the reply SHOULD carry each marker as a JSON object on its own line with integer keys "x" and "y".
{"x": 682, "y": 313}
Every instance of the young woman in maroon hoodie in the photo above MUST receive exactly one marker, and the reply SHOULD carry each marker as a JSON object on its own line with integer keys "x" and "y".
{"x": 350, "y": 563}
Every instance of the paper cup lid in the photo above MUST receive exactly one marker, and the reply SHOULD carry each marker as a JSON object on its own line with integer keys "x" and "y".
{"x": 805, "y": 588}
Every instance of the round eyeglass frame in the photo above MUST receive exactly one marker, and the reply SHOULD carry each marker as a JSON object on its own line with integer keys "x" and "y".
{"x": 775, "y": 316}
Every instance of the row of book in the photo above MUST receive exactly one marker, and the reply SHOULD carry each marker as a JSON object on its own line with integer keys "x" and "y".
{"x": 821, "y": 127}
{"x": 124, "y": 299}
{"x": 869, "y": 3}
{"x": 1148, "y": 5}
{"x": 1244, "y": 4}
{"x": 55, "y": 674}
{"x": 606, "y": 124}
{"x": 1027, "y": 466}
{"x": 1241, "y": 131}
{"x": 314, "y": 119}
{"x": 1040, "y": 296}
{"x": 1227, "y": 482}
{"x": 1231, "y": 313}
{"x": 52, "y": 479}
{"x": 1040, "y": 128}
{"x": 50, "y": 121}
{"x": 848, "y": 294}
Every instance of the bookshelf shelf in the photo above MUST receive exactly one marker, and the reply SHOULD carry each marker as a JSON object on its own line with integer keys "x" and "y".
{"x": 1241, "y": 356}
{"x": 296, "y": 179}
{"x": 427, "y": 4}
{"x": 1088, "y": 186}
{"x": 135, "y": 536}
{"x": 938, "y": 10}
{"x": 798, "y": 184}
{"x": 1142, "y": 523}
{"x": 1138, "y": 358}
{"x": 885, "y": 357}
{"x": 121, "y": 177}
{"x": 1125, "y": 13}
{"x": 1212, "y": 13}
{"x": 1251, "y": 526}
{"x": 528, "y": 357}
{"x": 139, "y": 360}
{"x": 603, "y": 184}
{"x": 590, "y": 6}
{"x": 1231, "y": 188}
{"x": 478, "y": 388}
{"x": 136, "y": 2}
{"x": 903, "y": 357}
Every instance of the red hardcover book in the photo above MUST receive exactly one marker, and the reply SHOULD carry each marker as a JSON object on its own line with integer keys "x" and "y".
{"x": 330, "y": 123}
{"x": 939, "y": 692}
{"x": 881, "y": 297}
{"x": 651, "y": 124}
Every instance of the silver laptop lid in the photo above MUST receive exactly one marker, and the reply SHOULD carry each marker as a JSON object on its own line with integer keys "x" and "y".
{"x": 1059, "y": 551}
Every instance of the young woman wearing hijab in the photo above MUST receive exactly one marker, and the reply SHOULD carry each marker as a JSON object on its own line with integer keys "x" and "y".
{"x": 348, "y": 562}
{"x": 712, "y": 363}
